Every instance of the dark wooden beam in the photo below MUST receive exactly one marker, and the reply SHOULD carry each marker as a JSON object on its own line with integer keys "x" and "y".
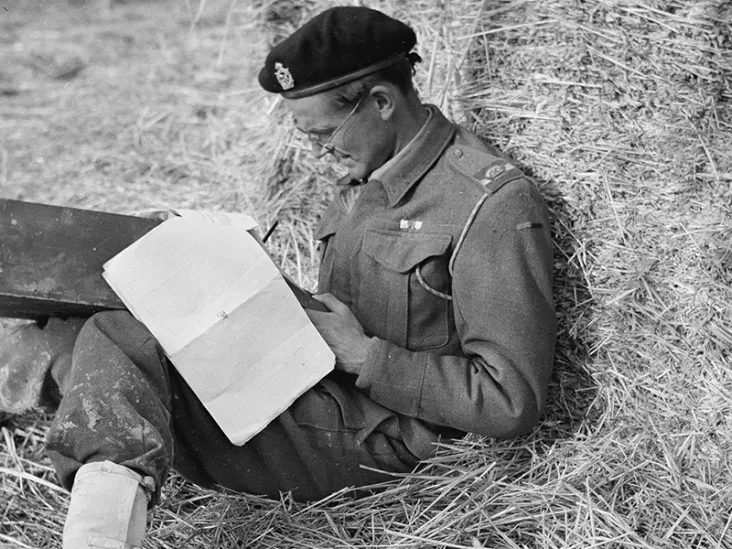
{"x": 51, "y": 259}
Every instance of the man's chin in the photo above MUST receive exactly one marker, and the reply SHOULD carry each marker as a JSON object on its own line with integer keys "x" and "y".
{"x": 358, "y": 171}
{"x": 354, "y": 170}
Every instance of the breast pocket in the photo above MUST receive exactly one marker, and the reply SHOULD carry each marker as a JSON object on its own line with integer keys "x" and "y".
{"x": 404, "y": 287}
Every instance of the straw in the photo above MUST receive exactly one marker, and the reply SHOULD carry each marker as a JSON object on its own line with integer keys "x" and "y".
{"x": 620, "y": 111}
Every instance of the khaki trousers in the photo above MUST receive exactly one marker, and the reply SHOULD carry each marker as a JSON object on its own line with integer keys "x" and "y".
{"x": 124, "y": 402}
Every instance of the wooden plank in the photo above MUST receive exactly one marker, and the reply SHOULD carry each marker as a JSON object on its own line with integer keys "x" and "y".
{"x": 51, "y": 259}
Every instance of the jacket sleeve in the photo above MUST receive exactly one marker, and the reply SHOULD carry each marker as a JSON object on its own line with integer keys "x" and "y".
{"x": 504, "y": 316}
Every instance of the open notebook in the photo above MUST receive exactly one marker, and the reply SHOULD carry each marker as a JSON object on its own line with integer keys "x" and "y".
{"x": 224, "y": 315}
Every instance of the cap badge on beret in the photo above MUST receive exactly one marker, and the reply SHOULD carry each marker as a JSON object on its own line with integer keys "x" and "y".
{"x": 339, "y": 45}
{"x": 284, "y": 76}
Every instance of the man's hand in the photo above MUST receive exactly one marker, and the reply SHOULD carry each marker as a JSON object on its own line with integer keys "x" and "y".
{"x": 342, "y": 332}
{"x": 153, "y": 213}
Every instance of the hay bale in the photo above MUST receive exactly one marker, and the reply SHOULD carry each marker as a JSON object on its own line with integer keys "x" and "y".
{"x": 622, "y": 113}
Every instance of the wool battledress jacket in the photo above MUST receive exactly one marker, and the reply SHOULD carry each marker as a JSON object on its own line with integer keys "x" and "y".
{"x": 446, "y": 260}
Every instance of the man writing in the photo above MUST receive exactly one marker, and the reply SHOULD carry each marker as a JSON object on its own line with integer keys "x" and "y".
{"x": 436, "y": 265}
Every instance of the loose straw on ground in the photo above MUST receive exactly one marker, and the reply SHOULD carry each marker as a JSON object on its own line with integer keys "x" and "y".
{"x": 621, "y": 111}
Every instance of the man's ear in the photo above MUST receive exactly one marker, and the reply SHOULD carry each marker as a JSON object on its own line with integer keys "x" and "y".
{"x": 385, "y": 100}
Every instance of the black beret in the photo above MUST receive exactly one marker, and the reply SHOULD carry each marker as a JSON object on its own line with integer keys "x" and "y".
{"x": 335, "y": 47}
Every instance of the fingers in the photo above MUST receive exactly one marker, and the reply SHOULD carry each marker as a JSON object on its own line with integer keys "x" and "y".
{"x": 323, "y": 322}
{"x": 152, "y": 213}
{"x": 333, "y": 303}
{"x": 316, "y": 317}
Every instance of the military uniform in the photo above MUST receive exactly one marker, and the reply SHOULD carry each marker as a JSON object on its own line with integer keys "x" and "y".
{"x": 444, "y": 256}
{"x": 446, "y": 261}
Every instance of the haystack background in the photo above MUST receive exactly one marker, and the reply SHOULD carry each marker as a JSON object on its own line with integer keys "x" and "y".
{"x": 621, "y": 111}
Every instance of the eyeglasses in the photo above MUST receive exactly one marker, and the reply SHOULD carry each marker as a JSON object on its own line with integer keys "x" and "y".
{"x": 318, "y": 140}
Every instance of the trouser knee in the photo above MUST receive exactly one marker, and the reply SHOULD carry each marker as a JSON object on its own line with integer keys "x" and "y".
{"x": 117, "y": 401}
{"x": 119, "y": 327}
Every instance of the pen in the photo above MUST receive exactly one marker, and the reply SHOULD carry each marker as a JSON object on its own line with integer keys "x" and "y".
{"x": 270, "y": 231}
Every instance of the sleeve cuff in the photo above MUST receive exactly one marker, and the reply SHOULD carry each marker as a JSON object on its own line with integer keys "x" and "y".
{"x": 365, "y": 378}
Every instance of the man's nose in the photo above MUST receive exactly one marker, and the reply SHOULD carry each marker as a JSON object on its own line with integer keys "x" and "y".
{"x": 318, "y": 150}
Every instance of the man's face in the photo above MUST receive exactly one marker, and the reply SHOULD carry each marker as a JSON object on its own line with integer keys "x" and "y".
{"x": 355, "y": 136}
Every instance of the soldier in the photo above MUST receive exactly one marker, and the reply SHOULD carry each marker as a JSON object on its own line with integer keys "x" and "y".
{"x": 436, "y": 267}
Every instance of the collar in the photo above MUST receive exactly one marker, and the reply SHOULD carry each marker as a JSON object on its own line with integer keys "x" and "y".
{"x": 404, "y": 170}
{"x": 414, "y": 142}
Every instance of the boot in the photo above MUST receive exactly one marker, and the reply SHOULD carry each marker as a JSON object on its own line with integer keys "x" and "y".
{"x": 34, "y": 358}
{"x": 108, "y": 508}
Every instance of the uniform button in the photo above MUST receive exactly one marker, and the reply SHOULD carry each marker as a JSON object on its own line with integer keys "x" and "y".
{"x": 457, "y": 153}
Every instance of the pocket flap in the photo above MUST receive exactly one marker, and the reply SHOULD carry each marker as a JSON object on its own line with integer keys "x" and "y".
{"x": 401, "y": 252}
